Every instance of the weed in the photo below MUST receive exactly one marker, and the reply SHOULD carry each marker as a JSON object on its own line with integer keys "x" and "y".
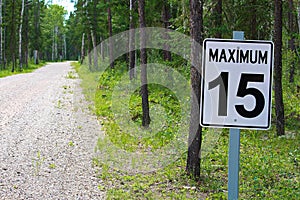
{"x": 71, "y": 75}
{"x": 59, "y": 104}
{"x": 71, "y": 144}
{"x": 52, "y": 166}
{"x": 37, "y": 163}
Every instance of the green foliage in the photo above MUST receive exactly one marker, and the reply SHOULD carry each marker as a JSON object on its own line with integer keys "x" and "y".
{"x": 269, "y": 165}
{"x": 31, "y": 67}
{"x": 269, "y": 170}
{"x": 291, "y": 91}
{"x": 52, "y": 30}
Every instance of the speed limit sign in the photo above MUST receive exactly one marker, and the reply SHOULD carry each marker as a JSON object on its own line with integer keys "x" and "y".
{"x": 236, "y": 84}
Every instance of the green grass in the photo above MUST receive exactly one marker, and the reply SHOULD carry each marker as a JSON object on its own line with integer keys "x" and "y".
{"x": 269, "y": 165}
{"x": 31, "y": 68}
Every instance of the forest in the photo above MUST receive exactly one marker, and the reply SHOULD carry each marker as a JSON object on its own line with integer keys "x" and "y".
{"x": 34, "y": 32}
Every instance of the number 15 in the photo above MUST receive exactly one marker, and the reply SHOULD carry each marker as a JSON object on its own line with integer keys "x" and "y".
{"x": 243, "y": 90}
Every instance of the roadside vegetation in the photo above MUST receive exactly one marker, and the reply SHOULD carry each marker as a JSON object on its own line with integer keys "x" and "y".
{"x": 269, "y": 165}
{"x": 31, "y": 67}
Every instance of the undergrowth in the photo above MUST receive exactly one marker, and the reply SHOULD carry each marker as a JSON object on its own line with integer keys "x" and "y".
{"x": 269, "y": 165}
{"x": 31, "y": 67}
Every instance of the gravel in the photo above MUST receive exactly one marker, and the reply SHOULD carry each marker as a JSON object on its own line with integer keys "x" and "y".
{"x": 47, "y": 137}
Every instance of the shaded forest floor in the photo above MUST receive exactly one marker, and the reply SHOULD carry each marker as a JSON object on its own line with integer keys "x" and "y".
{"x": 269, "y": 165}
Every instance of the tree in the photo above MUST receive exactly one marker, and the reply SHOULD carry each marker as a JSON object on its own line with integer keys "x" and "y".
{"x": 279, "y": 107}
{"x": 36, "y": 35}
{"x": 1, "y": 37}
{"x": 144, "y": 81}
{"x": 166, "y": 16}
{"x": 253, "y": 18}
{"x": 52, "y": 31}
{"x": 82, "y": 48}
{"x": 218, "y": 18}
{"x": 20, "y": 35}
{"x": 131, "y": 39}
{"x": 111, "y": 45}
{"x": 292, "y": 32}
{"x": 195, "y": 131}
{"x": 25, "y": 43}
{"x": 12, "y": 41}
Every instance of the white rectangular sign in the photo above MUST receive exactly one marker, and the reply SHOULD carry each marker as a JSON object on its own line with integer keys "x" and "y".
{"x": 236, "y": 85}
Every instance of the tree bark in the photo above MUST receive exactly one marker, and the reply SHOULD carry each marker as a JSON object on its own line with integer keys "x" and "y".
{"x": 82, "y": 48}
{"x": 279, "y": 107}
{"x": 218, "y": 18}
{"x": 131, "y": 40}
{"x": 26, "y": 32}
{"x": 20, "y": 36}
{"x": 195, "y": 130}
{"x": 253, "y": 21}
{"x": 111, "y": 45}
{"x": 12, "y": 36}
{"x": 166, "y": 16}
{"x": 53, "y": 45}
{"x": 94, "y": 49}
{"x": 144, "y": 81}
{"x": 1, "y": 37}
{"x": 89, "y": 50}
{"x": 298, "y": 11}
{"x": 36, "y": 44}
{"x": 292, "y": 32}
{"x": 94, "y": 34}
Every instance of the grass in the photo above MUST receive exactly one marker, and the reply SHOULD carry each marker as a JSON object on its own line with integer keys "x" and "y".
{"x": 31, "y": 68}
{"x": 269, "y": 165}
{"x": 71, "y": 75}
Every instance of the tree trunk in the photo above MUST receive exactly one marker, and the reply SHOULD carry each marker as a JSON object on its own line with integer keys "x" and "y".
{"x": 131, "y": 40}
{"x": 278, "y": 68}
{"x": 195, "y": 130}
{"x": 82, "y": 48}
{"x": 12, "y": 37}
{"x": 218, "y": 18}
{"x": 94, "y": 34}
{"x": 253, "y": 21}
{"x": 36, "y": 44}
{"x": 65, "y": 47}
{"x": 1, "y": 37}
{"x": 292, "y": 32}
{"x": 144, "y": 81}
{"x": 26, "y": 31}
{"x": 111, "y": 45}
{"x": 20, "y": 36}
{"x": 166, "y": 16}
{"x": 298, "y": 11}
{"x": 89, "y": 50}
{"x": 94, "y": 49}
{"x": 53, "y": 45}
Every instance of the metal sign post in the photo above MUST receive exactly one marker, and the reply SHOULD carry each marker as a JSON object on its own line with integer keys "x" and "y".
{"x": 236, "y": 92}
{"x": 234, "y": 150}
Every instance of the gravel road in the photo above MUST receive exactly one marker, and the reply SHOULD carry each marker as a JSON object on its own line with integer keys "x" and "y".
{"x": 47, "y": 137}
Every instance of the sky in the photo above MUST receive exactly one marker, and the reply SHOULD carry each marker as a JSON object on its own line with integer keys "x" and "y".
{"x": 66, "y": 4}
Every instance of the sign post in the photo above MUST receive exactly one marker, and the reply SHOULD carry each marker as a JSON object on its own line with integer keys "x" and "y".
{"x": 234, "y": 150}
{"x": 236, "y": 92}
